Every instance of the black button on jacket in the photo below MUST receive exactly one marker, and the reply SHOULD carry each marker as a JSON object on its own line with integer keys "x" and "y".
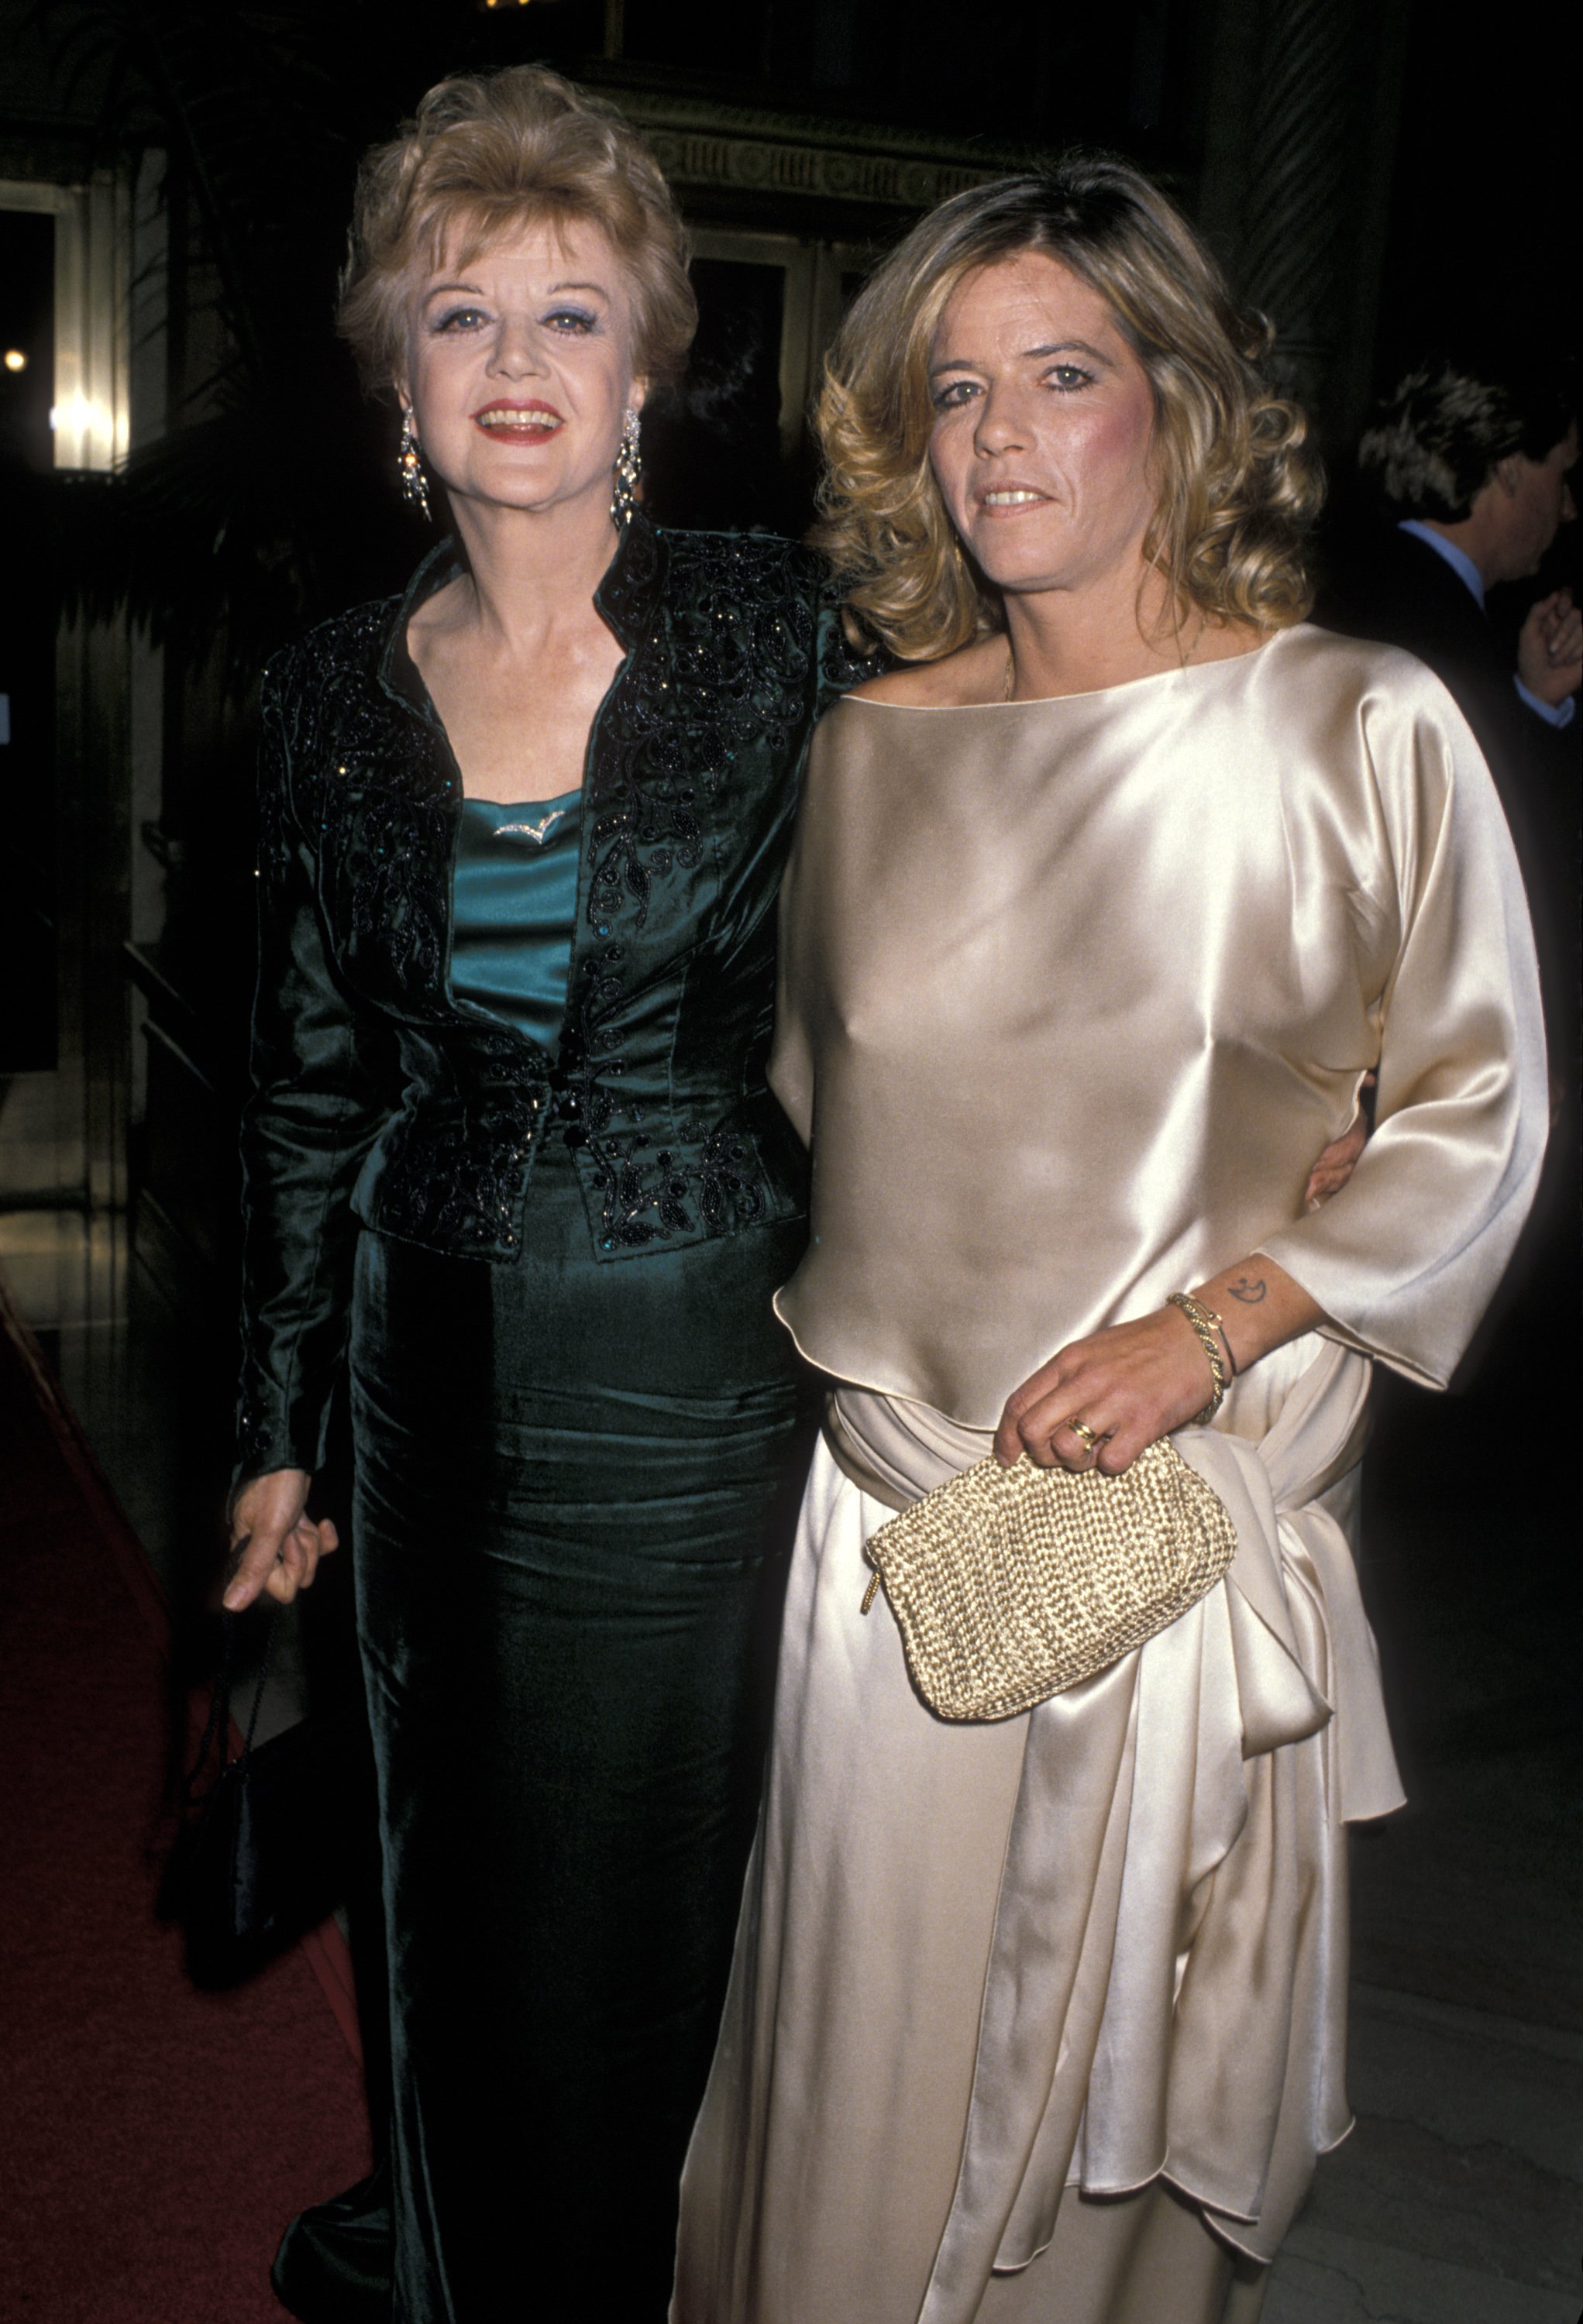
{"x": 378, "y": 1097}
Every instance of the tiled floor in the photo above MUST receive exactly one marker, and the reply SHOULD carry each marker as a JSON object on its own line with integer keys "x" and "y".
{"x": 1459, "y": 2197}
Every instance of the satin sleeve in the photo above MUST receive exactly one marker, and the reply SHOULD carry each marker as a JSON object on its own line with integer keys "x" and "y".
{"x": 838, "y": 666}
{"x": 1406, "y": 1258}
{"x": 321, "y": 1084}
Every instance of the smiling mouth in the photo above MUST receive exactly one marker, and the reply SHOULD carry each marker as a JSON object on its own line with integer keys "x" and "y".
{"x": 523, "y": 422}
{"x": 1011, "y": 496}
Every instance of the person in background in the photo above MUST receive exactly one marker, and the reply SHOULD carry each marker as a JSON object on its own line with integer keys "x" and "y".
{"x": 1474, "y": 468}
{"x": 1475, "y": 474}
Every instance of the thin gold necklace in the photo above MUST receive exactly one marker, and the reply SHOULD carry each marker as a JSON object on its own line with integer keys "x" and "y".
{"x": 1011, "y": 684}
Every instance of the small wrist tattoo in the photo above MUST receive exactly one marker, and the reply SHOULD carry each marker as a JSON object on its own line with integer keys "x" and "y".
{"x": 1249, "y": 1288}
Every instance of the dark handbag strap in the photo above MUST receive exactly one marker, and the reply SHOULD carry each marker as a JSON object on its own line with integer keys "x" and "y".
{"x": 219, "y": 1708}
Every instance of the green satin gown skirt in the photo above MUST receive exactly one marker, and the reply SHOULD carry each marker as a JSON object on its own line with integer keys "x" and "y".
{"x": 569, "y": 1583}
{"x": 576, "y": 1488}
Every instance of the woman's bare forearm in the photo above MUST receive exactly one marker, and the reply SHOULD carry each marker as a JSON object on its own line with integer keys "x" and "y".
{"x": 1260, "y": 1309}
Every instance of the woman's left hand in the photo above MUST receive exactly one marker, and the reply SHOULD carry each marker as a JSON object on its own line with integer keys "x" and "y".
{"x": 1128, "y": 1386}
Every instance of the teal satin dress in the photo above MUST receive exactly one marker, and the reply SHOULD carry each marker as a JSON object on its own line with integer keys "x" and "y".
{"x": 569, "y": 1591}
{"x": 513, "y": 911}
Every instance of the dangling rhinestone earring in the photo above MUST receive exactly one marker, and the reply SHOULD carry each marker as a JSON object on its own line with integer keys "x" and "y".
{"x": 410, "y": 467}
{"x": 629, "y": 466}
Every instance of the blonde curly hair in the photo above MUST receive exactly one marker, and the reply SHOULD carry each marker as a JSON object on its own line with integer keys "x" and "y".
{"x": 488, "y": 153}
{"x": 1239, "y": 482}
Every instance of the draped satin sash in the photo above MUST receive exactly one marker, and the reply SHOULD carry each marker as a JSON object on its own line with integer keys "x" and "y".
{"x": 1165, "y": 1990}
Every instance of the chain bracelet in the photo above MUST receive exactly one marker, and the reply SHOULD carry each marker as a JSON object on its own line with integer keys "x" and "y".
{"x": 1204, "y": 1323}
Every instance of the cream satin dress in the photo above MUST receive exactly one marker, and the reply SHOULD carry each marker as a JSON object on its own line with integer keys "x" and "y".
{"x": 1043, "y": 2022}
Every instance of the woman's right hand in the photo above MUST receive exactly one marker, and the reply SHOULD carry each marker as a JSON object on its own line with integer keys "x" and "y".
{"x": 1340, "y": 1159}
{"x": 280, "y": 1545}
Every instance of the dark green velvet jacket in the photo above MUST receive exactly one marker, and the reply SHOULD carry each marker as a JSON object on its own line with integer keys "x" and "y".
{"x": 377, "y": 1097}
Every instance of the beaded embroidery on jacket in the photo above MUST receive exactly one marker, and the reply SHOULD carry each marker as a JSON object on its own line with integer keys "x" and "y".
{"x": 723, "y": 639}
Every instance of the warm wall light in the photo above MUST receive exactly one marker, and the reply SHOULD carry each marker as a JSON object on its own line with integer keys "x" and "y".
{"x": 85, "y": 433}
{"x": 14, "y": 359}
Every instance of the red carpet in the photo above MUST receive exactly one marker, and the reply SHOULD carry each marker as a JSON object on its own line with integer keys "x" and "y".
{"x": 154, "y": 2139}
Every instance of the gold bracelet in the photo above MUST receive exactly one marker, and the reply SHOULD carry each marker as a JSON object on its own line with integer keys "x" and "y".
{"x": 1204, "y": 1323}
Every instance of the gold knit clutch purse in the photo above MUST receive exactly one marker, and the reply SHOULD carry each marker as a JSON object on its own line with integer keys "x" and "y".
{"x": 1009, "y": 1585}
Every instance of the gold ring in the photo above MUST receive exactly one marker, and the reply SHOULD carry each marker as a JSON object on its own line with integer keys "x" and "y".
{"x": 1090, "y": 1436}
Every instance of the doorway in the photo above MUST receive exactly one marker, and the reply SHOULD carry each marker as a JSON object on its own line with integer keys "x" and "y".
{"x": 29, "y": 942}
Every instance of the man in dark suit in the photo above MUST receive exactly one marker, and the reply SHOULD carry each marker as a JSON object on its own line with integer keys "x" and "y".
{"x": 1473, "y": 470}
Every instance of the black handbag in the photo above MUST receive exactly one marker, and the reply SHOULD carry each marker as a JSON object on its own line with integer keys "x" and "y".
{"x": 257, "y": 1862}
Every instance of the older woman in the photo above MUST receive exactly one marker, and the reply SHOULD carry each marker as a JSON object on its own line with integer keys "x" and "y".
{"x": 510, "y": 1138}
{"x": 1101, "y": 911}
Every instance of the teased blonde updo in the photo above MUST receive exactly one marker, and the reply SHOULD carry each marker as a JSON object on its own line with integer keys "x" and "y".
{"x": 1239, "y": 483}
{"x": 486, "y": 155}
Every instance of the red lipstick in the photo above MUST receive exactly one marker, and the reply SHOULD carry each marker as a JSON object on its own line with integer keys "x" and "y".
{"x": 508, "y": 421}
